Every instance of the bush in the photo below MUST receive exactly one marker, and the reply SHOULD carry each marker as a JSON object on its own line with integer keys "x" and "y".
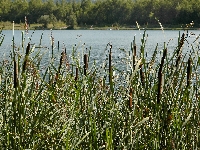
{"x": 47, "y": 20}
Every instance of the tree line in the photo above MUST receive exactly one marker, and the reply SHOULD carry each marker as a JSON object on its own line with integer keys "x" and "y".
{"x": 101, "y": 12}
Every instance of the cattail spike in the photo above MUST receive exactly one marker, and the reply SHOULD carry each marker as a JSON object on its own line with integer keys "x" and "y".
{"x": 179, "y": 49}
{"x": 159, "y": 87}
{"x": 142, "y": 75}
{"x": 76, "y": 77}
{"x": 62, "y": 57}
{"x": 130, "y": 98}
{"x": 134, "y": 55}
{"x": 15, "y": 74}
{"x": 160, "y": 75}
{"x": 26, "y": 58}
{"x": 189, "y": 68}
{"x": 85, "y": 64}
{"x": 110, "y": 68}
{"x": 58, "y": 45}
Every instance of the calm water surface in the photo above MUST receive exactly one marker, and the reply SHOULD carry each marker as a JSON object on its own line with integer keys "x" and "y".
{"x": 97, "y": 40}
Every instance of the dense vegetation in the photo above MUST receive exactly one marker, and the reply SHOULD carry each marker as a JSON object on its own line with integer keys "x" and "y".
{"x": 65, "y": 104}
{"x": 101, "y": 12}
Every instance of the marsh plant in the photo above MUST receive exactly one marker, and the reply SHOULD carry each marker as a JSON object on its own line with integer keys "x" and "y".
{"x": 143, "y": 104}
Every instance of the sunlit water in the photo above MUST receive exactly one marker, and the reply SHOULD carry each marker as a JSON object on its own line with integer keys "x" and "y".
{"x": 96, "y": 41}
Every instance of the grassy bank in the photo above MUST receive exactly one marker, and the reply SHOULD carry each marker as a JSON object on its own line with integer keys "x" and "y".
{"x": 71, "y": 105}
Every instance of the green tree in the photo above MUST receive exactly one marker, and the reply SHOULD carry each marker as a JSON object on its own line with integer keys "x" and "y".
{"x": 141, "y": 11}
{"x": 188, "y": 11}
{"x": 72, "y": 21}
{"x": 19, "y": 14}
{"x": 49, "y": 7}
{"x": 85, "y": 7}
{"x": 165, "y": 11}
{"x": 60, "y": 11}
{"x": 102, "y": 12}
{"x": 5, "y": 9}
{"x": 36, "y": 10}
{"x": 122, "y": 11}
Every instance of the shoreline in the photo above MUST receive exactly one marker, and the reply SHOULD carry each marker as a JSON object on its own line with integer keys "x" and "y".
{"x": 9, "y": 26}
{"x": 103, "y": 29}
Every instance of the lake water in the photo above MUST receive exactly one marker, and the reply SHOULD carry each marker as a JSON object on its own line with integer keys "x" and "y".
{"x": 97, "y": 40}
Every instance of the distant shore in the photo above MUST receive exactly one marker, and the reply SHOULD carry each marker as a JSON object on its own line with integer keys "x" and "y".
{"x": 9, "y": 26}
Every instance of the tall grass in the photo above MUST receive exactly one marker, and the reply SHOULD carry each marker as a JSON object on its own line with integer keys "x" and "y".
{"x": 152, "y": 105}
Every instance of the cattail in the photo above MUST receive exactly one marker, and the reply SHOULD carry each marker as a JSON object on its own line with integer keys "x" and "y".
{"x": 15, "y": 74}
{"x": 56, "y": 78}
{"x": 52, "y": 43}
{"x": 62, "y": 58}
{"x": 178, "y": 60}
{"x": 134, "y": 55}
{"x": 141, "y": 75}
{"x": 85, "y": 64}
{"x": 66, "y": 60}
{"x": 130, "y": 98}
{"x": 37, "y": 85}
{"x": 181, "y": 43}
{"x": 189, "y": 70}
{"x": 72, "y": 71}
{"x": 159, "y": 87}
{"x": 76, "y": 77}
{"x": 58, "y": 45}
{"x": 160, "y": 76}
{"x": 163, "y": 58}
{"x": 110, "y": 64}
{"x": 179, "y": 49}
{"x": 26, "y": 58}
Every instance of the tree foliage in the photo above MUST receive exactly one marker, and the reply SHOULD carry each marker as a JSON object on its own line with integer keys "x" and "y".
{"x": 102, "y": 12}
